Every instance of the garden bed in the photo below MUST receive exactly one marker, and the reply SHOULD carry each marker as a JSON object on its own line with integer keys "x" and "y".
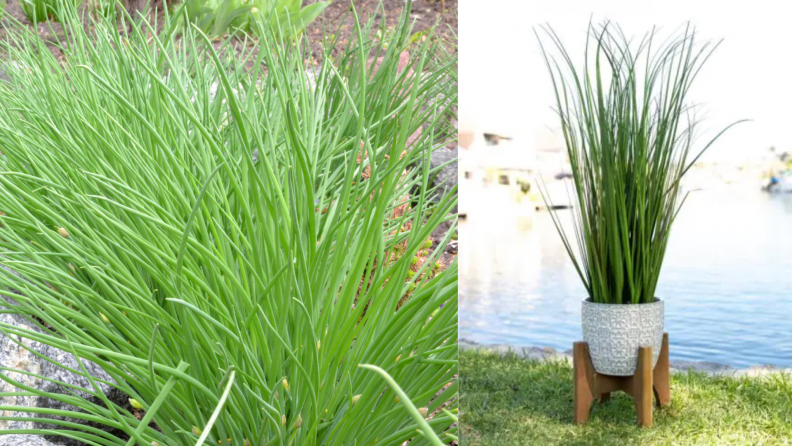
{"x": 268, "y": 209}
{"x": 335, "y": 17}
{"x": 507, "y": 400}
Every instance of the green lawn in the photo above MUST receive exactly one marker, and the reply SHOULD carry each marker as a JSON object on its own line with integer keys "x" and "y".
{"x": 511, "y": 401}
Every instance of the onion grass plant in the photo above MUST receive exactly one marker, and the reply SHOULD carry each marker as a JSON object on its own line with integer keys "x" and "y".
{"x": 630, "y": 133}
{"x": 223, "y": 257}
{"x": 41, "y": 10}
{"x": 284, "y": 17}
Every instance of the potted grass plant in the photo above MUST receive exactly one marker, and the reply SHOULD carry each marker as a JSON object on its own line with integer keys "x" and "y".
{"x": 629, "y": 131}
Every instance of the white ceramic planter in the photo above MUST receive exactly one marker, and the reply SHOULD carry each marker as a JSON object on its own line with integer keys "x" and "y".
{"x": 614, "y": 332}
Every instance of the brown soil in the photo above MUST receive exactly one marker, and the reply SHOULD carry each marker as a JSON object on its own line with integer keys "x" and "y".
{"x": 425, "y": 14}
{"x": 338, "y": 20}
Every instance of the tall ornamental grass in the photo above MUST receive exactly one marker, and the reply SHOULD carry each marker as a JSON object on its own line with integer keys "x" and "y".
{"x": 630, "y": 133}
{"x": 249, "y": 266}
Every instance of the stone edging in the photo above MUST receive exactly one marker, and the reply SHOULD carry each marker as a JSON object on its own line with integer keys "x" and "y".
{"x": 551, "y": 354}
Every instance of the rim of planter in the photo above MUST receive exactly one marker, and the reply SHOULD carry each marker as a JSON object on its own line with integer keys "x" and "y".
{"x": 654, "y": 302}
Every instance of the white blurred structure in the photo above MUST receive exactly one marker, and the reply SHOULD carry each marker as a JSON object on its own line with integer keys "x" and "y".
{"x": 497, "y": 173}
{"x": 504, "y": 173}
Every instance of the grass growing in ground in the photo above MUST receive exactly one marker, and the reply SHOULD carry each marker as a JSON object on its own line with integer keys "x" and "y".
{"x": 510, "y": 401}
{"x": 250, "y": 267}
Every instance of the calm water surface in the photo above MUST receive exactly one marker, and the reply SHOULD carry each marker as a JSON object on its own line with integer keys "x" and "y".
{"x": 726, "y": 280}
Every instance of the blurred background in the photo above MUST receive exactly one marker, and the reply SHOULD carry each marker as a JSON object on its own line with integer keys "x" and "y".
{"x": 726, "y": 277}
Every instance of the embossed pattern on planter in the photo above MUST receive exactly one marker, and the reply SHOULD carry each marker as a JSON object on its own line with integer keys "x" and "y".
{"x": 614, "y": 332}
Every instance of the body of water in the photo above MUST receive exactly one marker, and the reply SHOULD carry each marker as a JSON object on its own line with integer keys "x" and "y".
{"x": 726, "y": 280}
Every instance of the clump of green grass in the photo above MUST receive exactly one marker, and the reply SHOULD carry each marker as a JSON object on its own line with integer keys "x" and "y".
{"x": 224, "y": 259}
{"x": 510, "y": 401}
{"x": 283, "y": 17}
{"x": 630, "y": 132}
{"x": 42, "y": 10}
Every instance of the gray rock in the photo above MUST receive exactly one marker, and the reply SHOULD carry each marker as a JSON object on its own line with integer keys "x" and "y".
{"x": 710, "y": 368}
{"x": 24, "y": 440}
{"x": 438, "y": 97}
{"x": 447, "y": 178}
{"x": 540, "y": 354}
{"x": 21, "y": 357}
{"x": 464, "y": 344}
{"x": 439, "y": 233}
{"x": 8, "y": 299}
{"x": 527, "y": 353}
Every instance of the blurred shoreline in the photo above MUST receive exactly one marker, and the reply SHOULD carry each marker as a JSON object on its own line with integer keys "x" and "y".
{"x": 512, "y": 175}
{"x": 531, "y": 353}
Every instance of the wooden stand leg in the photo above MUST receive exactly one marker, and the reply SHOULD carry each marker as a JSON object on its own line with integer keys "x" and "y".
{"x": 647, "y": 383}
{"x": 662, "y": 378}
{"x": 584, "y": 395}
{"x": 642, "y": 392}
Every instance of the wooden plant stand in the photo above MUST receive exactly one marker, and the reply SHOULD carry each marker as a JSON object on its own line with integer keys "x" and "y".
{"x": 641, "y": 386}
